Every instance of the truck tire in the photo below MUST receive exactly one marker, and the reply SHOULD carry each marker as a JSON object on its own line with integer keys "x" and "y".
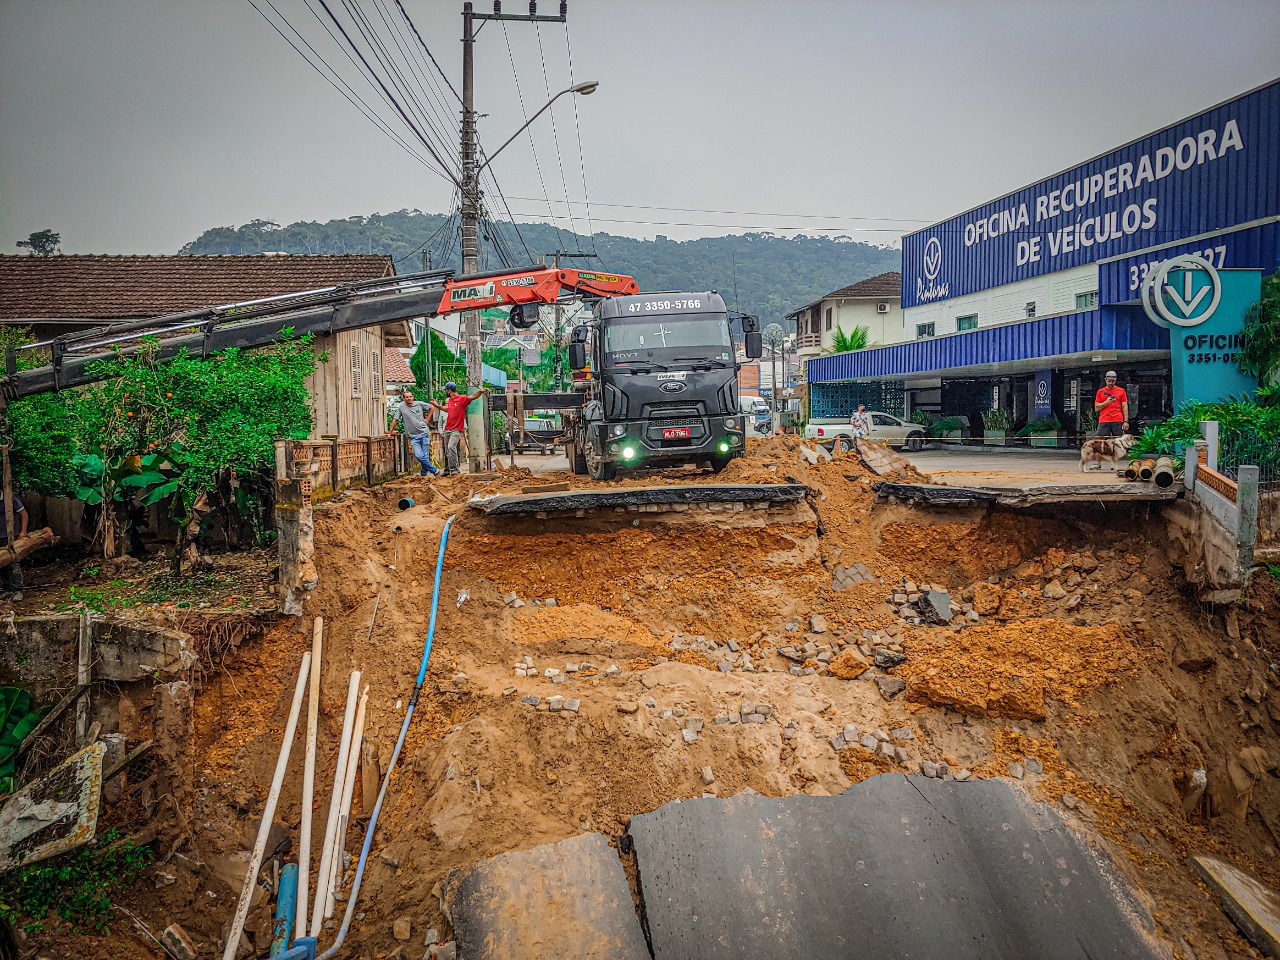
{"x": 577, "y": 460}
{"x": 602, "y": 471}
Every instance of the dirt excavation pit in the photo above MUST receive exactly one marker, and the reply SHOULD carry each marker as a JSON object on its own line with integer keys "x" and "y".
{"x": 583, "y": 675}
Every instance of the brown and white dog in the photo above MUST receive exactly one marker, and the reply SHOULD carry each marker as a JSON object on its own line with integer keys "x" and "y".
{"x": 1114, "y": 449}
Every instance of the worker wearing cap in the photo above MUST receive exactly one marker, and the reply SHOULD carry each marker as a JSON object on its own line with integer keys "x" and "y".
{"x": 1112, "y": 404}
{"x": 411, "y": 417}
{"x": 455, "y": 423}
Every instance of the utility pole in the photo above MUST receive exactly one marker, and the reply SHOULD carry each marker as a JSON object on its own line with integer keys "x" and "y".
{"x": 559, "y": 368}
{"x": 478, "y": 413}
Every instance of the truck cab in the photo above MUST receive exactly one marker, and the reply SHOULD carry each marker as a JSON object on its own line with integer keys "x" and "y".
{"x": 662, "y": 388}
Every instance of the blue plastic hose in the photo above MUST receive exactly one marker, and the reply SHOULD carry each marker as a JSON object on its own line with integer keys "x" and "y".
{"x": 286, "y": 907}
{"x": 395, "y": 754}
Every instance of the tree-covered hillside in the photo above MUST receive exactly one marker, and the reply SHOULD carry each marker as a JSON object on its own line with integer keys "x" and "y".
{"x": 773, "y": 274}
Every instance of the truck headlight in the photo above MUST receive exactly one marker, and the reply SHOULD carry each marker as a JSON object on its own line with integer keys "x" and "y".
{"x": 628, "y": 453}
{"x": 613, "y": 448}
{"x": 724, "y": 446}
{"x": 618, "y": 429}
{"x": 731, "y": 423}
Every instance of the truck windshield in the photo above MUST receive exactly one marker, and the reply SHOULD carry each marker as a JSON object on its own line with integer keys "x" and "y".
{"x": 702, "y": 335}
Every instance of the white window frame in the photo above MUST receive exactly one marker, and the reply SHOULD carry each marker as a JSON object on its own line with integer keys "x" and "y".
{"x": 1089, "y": 298}
{"x": 375, "y": 371}
{"x": 967, "y": 316}
{"x": 356, "y": 371}
{"x": 932, "y": 330}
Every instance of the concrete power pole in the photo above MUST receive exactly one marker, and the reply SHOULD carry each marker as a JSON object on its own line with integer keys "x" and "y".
{"x": 478, "y": 413}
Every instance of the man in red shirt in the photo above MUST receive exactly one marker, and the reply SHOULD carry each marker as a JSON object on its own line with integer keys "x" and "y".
{"x": 1112, "y": 404}
{"x": 455, "y": 423}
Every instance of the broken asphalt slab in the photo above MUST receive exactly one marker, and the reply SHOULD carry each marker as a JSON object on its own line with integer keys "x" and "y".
{"x": 640, "y": 496}
{"x": 1253, "y": 906}
{"x": 559, "y": 901}
{"x": 893, "y": 867}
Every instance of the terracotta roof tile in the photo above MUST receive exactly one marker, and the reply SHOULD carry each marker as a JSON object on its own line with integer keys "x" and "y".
{"x": 396, "y": 368}
{"x": 885, "y": 285}
{"x": 123, "y": 287}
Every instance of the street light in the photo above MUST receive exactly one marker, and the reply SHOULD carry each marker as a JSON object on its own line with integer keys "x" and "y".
{"x": 476, "y": 435}
{"x": 585, "y": 88}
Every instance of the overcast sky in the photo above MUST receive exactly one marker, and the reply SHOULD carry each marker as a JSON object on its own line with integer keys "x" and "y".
{"x": 130, "y": 126}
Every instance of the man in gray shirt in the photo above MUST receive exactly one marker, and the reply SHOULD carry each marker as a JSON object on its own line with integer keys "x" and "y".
{"x": 411, "y": 417}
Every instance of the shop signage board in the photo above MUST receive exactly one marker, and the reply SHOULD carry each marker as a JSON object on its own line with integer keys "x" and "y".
{"x": 1203, "y": 309}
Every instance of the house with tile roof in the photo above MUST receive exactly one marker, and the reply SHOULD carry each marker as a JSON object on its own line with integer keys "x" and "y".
{"x": 874, "y": 303}
{"x": 64, "y": 294}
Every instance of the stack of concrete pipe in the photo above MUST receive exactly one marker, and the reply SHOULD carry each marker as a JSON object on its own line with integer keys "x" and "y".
{"x": 1158, "y": 470}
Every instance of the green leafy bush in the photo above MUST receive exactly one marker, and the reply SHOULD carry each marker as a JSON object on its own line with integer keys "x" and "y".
{"x": 997, "y": 420}
{"x": 923, "y": 417}
{"x": 842, "y": 342}
{"x": 1248, "y": 433}
{"x": 1049, "y": 424}
{"x": 76, "y": 886}
{"x": 944, "y": 425}
{"x": 1260, "y": 356}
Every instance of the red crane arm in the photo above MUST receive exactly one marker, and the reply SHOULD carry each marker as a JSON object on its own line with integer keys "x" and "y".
{"x": 541, "y": 285}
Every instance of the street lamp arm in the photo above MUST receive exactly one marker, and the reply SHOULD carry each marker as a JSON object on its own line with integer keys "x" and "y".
{"x": 584, "y": 88}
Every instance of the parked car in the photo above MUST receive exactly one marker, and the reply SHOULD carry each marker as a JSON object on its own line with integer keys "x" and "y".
{"x": 837, "y": 434}
{"x": 756, "y": 410}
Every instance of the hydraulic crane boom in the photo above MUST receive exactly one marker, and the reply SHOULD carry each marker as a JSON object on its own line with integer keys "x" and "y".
{"x": 529, "y": 287}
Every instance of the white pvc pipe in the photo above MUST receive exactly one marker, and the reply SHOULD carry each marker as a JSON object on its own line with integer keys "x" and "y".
{"x": 348, "y": 792}
{"x": 309, "y": 772}
{"x": 268, "y": 814}
{"x": 335, "y": 802}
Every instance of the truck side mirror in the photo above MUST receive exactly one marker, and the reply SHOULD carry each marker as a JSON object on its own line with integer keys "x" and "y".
{"x": 580, "y": 334}
{"x": 750, "y": 324}
{"x": 577, "y": 354}
{"x": 754, "y": 345}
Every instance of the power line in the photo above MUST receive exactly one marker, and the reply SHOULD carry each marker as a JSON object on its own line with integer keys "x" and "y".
{"x": 428, "y": 51}
{"x": 399, "y": 109}
{"x": 742, "y": 226}
{"x": 554, "y": 134}
{"x": 582, "y": 157}
{"x": 351, "y": 97}
{"x": 736, "y": 213}
{"x": 533, "y": 148}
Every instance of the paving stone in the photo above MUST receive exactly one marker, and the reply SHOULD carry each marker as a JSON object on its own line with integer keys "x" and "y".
{"x": 401, "y": 929}
{"x": 724, "y": 666}
{"x": 753, "y": 718}
{"x": 531, "y": 701}
{"x": 808, "y": 672}
{"x": 838, "y": 742}
{"x": 886, "y": 750}
{"x": 573, "y": 705}
{"x": 972, "y": 616}
{"x": 788, "y": 733}
{"x": 528, "y": 661}
{"x": 902, "y": 733}
{"x": 555, "y": 704}
{"x": 734, "y": 718}
{"x": 929, "y": 768}
{"x": 432, "y": 938}
{"x": 1033, "y": 765}
{"x": 612, "y": 670}
{"x": 178, "y": 943}
{"x": 1017, "y": 771}
{"x": 650, "y": 702}
{"x": 851, "y": 733}
{"x": 570, "y": 668}
{"x": 944, "y": 770}
{"x": 869, "y": 742}
{"x": 890, "y": 687}
{"x": 694, "y": 724}
{"x": 560, "y": 678}
{"x": 902, "y": 754}
{"x": 764, "y": 709}
{"x": 722, "y": 718}
{"x": 796, "y": 671}
{"x": 677, "y": 711}
{"x": 733, "y": 644}
{"x": 934, "y": 606}
{"x": 628, "y": 706}
{"x": 818, "y": 623}
{"x": 880, "y": 735}
{"x": 508, "y": 691}
{"x": 551, "y": 673}
{"x": 1054, "y": 590}
{"x": 962, "y": 775}
{"x": 665, "y": 714}
{"x": 708, "y": 776}
{"x": 690, "y": 736}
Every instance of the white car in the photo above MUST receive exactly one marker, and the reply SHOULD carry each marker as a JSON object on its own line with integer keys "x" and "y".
{"x": 835, "y": 433}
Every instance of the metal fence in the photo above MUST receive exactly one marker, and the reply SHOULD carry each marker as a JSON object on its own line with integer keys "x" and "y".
{"x": 1240, "y": 447}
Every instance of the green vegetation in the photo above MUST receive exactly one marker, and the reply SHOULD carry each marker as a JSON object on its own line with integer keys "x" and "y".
{"x": 42, "y": 243}
{"x": 923, "y": 417}
{"x": 944, "y": 425}
{"x": 188, "y": 427}
{"x": 774, "y": 275}
{"x": 76, "y": 886}
{"x": 842, "y": 342}
{"x": 441, "y": 356}
{"x": 1260, "y": 356}
{"x": 18, "y": 717}
{"x": 1248, "y": 432}
{"x": 997, "y": 420}
{"x": 1049, "y": 424}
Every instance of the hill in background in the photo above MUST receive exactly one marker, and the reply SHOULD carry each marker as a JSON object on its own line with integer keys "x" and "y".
{"x": 773, "y": 274}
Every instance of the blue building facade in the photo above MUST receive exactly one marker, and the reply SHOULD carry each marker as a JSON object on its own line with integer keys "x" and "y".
{"x": 1023, "y": 302}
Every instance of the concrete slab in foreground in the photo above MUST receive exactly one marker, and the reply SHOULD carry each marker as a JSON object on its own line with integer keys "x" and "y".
{"x": 560, "y": 901}
{"x": 893, "y": 867}
{"x": 604, "y": 497}
{"x": 1253, "y": 906}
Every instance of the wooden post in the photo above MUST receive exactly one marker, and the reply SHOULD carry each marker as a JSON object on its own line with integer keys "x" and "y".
{"x": 333, "y": 464}
{"x": 368, "y": 460}
{"x": 8, "y": 501}
{"x": 84, "y": 674}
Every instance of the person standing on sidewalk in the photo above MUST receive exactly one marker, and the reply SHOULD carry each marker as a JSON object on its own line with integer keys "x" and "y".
{"x": 13, "y": 572}
{"x": 455, "y": 423}
{"x": 1112, "y": 404}
{"x": 860, "y": 421}
{"x": 411, "y": 417}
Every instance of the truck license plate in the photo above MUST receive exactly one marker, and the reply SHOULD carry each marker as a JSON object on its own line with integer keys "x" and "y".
{"x": 675, "y": 433}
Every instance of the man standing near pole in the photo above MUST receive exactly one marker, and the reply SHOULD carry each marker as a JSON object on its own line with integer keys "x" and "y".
{"x": 411, "y": 417}
{"x": 455, "y": 423}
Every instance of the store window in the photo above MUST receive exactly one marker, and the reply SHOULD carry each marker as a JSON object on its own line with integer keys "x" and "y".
{"x": 1031, "y": 309}
{"x": 924, "y": 331}
{"x": 969, "y": 322}
{"x": 1087, "y": 301}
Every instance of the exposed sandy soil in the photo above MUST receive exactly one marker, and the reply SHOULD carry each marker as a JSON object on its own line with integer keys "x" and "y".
{"x": 1088, "y": 684}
